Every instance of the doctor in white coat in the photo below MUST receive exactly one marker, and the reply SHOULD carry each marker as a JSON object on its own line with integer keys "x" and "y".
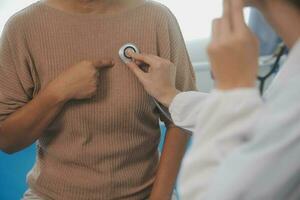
{"x": 245, "y": 146}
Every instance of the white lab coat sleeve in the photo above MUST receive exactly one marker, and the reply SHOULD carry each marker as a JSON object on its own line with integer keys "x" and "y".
{"x": 224, "y": 123}
{"x": 185, "y": 108}
{"x": 267, "y": 167}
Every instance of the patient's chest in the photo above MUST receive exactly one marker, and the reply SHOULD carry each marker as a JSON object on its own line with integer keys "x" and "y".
{"x": 119, "y": 93}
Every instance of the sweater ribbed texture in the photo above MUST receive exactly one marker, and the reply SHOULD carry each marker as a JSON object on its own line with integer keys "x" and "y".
{"x": 104, "y": 147}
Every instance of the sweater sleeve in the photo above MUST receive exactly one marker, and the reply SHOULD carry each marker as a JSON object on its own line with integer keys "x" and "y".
{"x": 16, "y": 82}
{"x": 171, "y": 45}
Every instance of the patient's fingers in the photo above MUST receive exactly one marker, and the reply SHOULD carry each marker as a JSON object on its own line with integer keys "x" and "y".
{"x": 103, "y": 63}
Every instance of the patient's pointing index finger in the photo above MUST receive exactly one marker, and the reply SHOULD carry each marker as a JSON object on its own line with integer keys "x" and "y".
{"x": 103, "y": 63}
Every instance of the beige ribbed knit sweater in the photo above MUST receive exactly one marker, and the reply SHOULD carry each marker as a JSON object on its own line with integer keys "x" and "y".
{"x": 105, "y": 147}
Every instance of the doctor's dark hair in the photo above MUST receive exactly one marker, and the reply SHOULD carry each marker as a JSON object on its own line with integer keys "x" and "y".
{"x": 295, "y": 2}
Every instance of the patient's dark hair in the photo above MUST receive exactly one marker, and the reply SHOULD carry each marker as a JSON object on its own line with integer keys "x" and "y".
{"x": 295, "y": 2}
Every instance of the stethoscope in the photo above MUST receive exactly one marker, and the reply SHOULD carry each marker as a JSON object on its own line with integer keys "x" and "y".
{"x": 279, "y": 52}
{"x": 123, "y": 54}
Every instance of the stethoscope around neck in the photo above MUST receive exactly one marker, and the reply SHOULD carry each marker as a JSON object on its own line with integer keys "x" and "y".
{"x": 123, "y": 54}
{"x": 279, "y": 52}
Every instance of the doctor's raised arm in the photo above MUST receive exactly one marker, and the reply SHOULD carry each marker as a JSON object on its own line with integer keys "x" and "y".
{"x": 244, "y": 145}
{"x": 233, "y": 66}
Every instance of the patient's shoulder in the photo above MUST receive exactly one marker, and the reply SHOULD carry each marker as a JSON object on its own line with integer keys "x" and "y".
{"x": 156, "y": 5}
{"x": 22, "y": 19}
{"x": 159, "y": 10}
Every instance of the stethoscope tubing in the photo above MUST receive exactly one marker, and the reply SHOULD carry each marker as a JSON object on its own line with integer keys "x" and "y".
{"x": 126, "y": 59}
{"x": 169, "y": 117}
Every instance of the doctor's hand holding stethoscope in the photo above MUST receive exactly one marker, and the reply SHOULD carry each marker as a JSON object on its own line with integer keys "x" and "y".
{"x": 233, "y": 52}
{"x": 243, "y": 146}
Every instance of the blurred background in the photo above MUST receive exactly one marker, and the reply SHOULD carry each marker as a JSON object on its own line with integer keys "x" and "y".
{"x": 194, "y": 18}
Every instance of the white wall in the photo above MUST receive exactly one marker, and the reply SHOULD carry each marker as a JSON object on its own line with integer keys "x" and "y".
{"x": 9, "y": 7}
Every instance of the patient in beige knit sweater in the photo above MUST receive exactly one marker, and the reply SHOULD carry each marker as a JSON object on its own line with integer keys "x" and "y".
{"x": 63, "y": 85}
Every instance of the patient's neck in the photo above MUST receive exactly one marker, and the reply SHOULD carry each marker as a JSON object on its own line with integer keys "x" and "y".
{"x": 93, "y": 6}
{"x": 285, "y": 19}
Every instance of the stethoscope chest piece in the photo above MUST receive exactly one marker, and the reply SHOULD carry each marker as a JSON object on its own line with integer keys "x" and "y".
{"x": 123, "y": 52}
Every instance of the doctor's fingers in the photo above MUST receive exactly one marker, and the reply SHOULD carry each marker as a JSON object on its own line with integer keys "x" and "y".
{"x": 139, "y": 73}
{"x": 152, "y": 60}
{"x": 216, "y": 30}
{"x": 143, "y": 57}
{"x": 237, "y": 18}
{"x": 221, "y": 30}
{"x": 226, "y": 21}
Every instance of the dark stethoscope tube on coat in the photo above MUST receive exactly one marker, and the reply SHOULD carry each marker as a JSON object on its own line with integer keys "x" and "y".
{"x": 125, "y": 58}
{"x": 279, "y": 52}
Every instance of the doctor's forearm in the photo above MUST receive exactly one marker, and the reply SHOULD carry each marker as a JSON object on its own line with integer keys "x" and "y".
{"x": 170, "y": 162}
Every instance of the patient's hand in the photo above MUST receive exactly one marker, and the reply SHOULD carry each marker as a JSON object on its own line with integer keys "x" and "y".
{"x": 79, "y": 81}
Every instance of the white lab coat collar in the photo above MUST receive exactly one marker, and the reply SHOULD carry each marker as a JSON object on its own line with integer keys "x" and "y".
{"x": 292, "y": 65}
{"x": 289, "y": 70}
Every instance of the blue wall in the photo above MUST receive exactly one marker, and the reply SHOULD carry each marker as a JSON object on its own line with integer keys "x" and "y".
{"x": 13, "y": 170}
